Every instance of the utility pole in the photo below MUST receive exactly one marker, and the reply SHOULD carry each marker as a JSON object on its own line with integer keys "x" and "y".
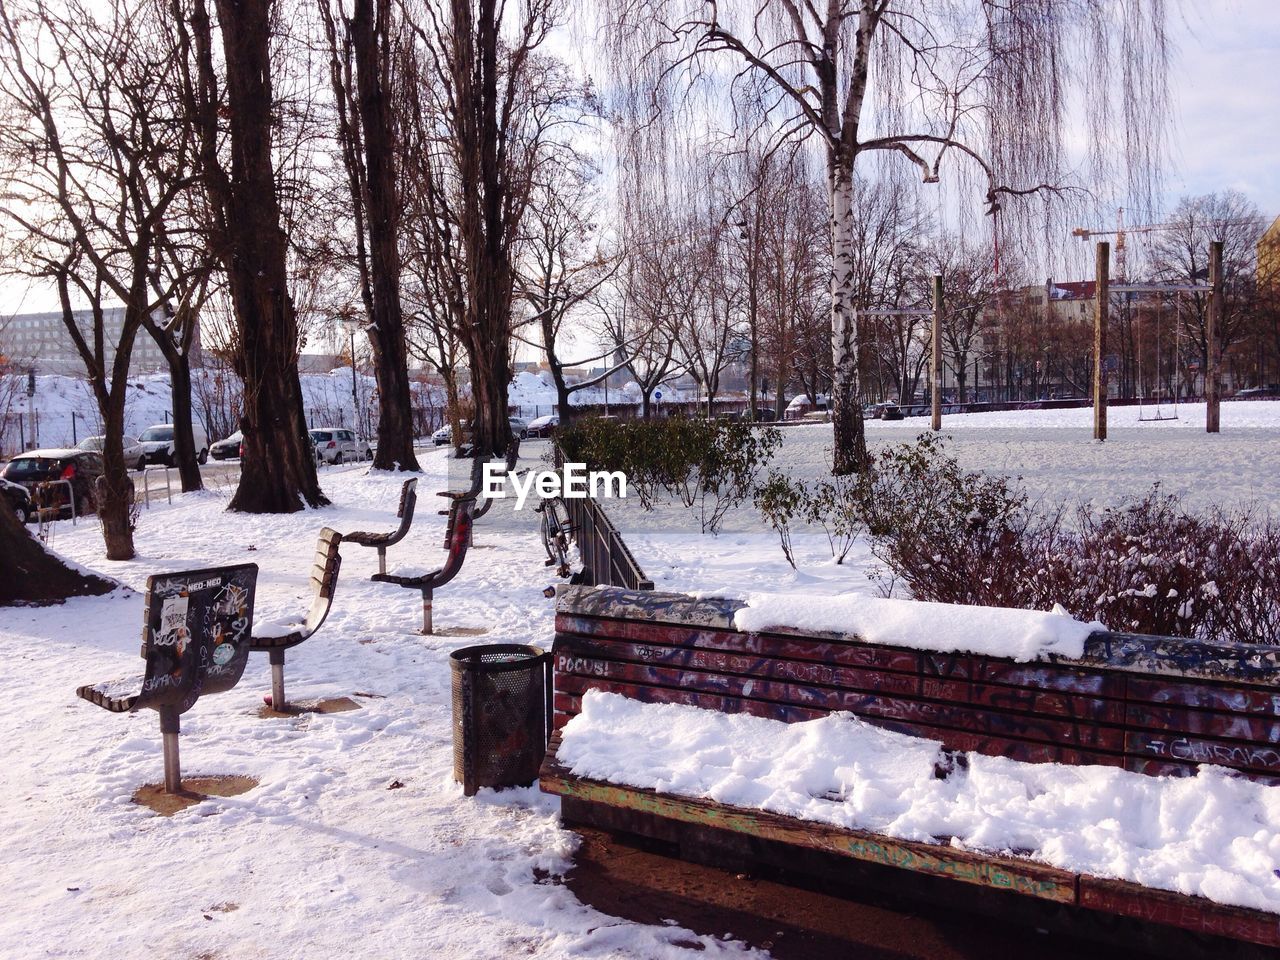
{"x": 1102, "y": 297}
{"x": 1212, "y": 324}
{"x": 935, "y": 394}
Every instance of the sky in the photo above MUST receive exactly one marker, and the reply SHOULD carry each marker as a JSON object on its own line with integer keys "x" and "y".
{"x": 1226, "y": 85}
{"x": 1226, "y": 113}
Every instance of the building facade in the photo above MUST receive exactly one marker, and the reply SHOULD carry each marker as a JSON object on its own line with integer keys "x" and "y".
{"x": 40, "y": 341}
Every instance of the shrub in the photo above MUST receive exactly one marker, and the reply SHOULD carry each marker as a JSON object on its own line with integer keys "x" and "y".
{"x": 704, "y": 463}
{"x": 1146, "y": 565}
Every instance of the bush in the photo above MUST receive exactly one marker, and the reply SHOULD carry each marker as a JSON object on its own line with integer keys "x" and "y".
{"x": 1146, "y": 565}
{"x": 704, "y": 463}
{"x": 836, "y": 505}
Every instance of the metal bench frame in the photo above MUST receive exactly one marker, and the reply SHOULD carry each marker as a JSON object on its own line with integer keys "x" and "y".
{"x": 460, "y": 520}
{"x": 324, "y": 581}
{"x": 380, "y": 541}
{"x": 218, "y": 615}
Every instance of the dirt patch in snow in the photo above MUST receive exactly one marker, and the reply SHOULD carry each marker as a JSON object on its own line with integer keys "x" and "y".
{"x": 194, "y": 790}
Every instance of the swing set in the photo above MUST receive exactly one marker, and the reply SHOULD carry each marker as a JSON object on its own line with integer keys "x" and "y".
{"x": 1146, "y": 415}
{"x": 1104, "y": 291}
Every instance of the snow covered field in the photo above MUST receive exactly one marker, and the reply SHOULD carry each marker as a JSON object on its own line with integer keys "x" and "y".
{"x": 321, "y": 859}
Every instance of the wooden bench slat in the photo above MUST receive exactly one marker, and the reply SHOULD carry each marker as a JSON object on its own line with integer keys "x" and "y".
{"x": 1025, "y": 877}
{"x": 1179, "y": 910}
{"x": 1049, "y": 676}
{"x": 578, "y": 654}
{"x": 1230, "y": 726}
{"x": 1246, "y": 757}
{"x": 1175, "y": 691}
{"x": 730, "y": 641}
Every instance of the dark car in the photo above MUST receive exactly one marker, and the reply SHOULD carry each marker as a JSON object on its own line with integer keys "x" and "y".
{"x": 17, "y": 498}
{"x": 42, "y": 473}
{"x": 228, "y": 449}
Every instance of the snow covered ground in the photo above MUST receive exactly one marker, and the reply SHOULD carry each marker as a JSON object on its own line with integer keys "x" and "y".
{"x": 322, "y": 858}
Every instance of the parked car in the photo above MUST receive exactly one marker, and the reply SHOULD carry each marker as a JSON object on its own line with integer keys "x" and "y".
{"x": 1253, "y": 393}
{"x": 442, "y": 436}
{"x": 228, "y": 448}
{"x": 18, "y": 499}
{"x": 35, "y": 467}
{"x": 519, "y": 428}
{"x": 157, "y": 444}
{"x": 338, "y": 445}
{"x": 542, "y": 426}
{"x": 134, "y": 454}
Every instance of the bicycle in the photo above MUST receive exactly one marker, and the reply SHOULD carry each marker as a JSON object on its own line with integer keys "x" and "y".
{"x": 556, "y": 534}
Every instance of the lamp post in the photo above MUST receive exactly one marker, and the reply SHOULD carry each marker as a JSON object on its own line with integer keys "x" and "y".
{"x": 351, "y": 325}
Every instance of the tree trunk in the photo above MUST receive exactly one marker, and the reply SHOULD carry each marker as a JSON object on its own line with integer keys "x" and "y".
{"x": 850, "y": 449}
{"x": 114, "y": 492}
{"x": 386, "y": 333}
{"x": 961, "y": 381}
{"x": 31, "y": 574}
{"x": 278, "y": 470}
{"x": 184, "y": 444}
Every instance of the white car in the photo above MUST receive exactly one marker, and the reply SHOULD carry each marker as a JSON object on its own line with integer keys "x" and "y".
{"x": 543, "y": 426}
{"x": 337, "y": 445}
{"x": 157, "y": 444}
{"x": 134, "y": 454}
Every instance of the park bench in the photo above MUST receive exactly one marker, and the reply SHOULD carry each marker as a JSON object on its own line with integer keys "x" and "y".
{"x": 324, "y": 581}
{"x": 196, "y": 636}
{"x": 1152, "y": 705}
{"x": 380, "y": 541}
{"x": 473, "y": 490}
{"x": 460, "y": 514}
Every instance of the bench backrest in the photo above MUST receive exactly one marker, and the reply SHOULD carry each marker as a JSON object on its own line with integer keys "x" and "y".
{"x": 197, "y": 633}
{"x": 324, "y": 578}
{"x": 459, "y": 539}
{"x": 408, "y": 502}
{"x": 1153, "y": 705}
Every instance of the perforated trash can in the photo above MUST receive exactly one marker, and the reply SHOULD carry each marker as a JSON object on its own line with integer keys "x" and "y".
{"x": 500, "y": 714}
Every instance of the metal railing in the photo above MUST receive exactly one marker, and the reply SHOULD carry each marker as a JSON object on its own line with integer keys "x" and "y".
{"x": 606, "y": 559}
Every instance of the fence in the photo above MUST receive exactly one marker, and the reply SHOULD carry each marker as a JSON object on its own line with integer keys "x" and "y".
{"x": 606, "y": 559}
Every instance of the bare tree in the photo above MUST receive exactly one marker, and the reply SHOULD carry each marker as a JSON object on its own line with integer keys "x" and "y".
{"x": 278, "y": 470}
{"x": 1181, "y": 254}
{"x": 968, "y": 287}
{"x": 482, "y": 55}
{"x": 90, "y": 99}
{"x": 708, "y": 325}
{"x": 363, "y": 56}
{"x": 563, "y": 270}
{"x": 959, "y": 80}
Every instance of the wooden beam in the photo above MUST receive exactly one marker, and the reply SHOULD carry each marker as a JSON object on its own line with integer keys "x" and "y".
{"x": 1101, "y": 311}
{"x": 1003, "y": 873}
{"x": 1213, "y": 324}
{"x": 935, "y": 390}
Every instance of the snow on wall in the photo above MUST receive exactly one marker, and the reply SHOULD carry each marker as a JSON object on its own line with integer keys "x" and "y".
{"x": 989, "y": 631}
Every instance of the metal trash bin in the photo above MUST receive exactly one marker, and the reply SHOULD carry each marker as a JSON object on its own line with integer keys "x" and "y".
{"x": 500, "y": 714}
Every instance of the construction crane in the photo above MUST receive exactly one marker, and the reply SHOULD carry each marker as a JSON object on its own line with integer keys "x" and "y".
{"x": 1119, "y": 233}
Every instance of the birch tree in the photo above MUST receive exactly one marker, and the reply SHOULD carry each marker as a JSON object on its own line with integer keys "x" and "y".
{"x": 978, "y": 87}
